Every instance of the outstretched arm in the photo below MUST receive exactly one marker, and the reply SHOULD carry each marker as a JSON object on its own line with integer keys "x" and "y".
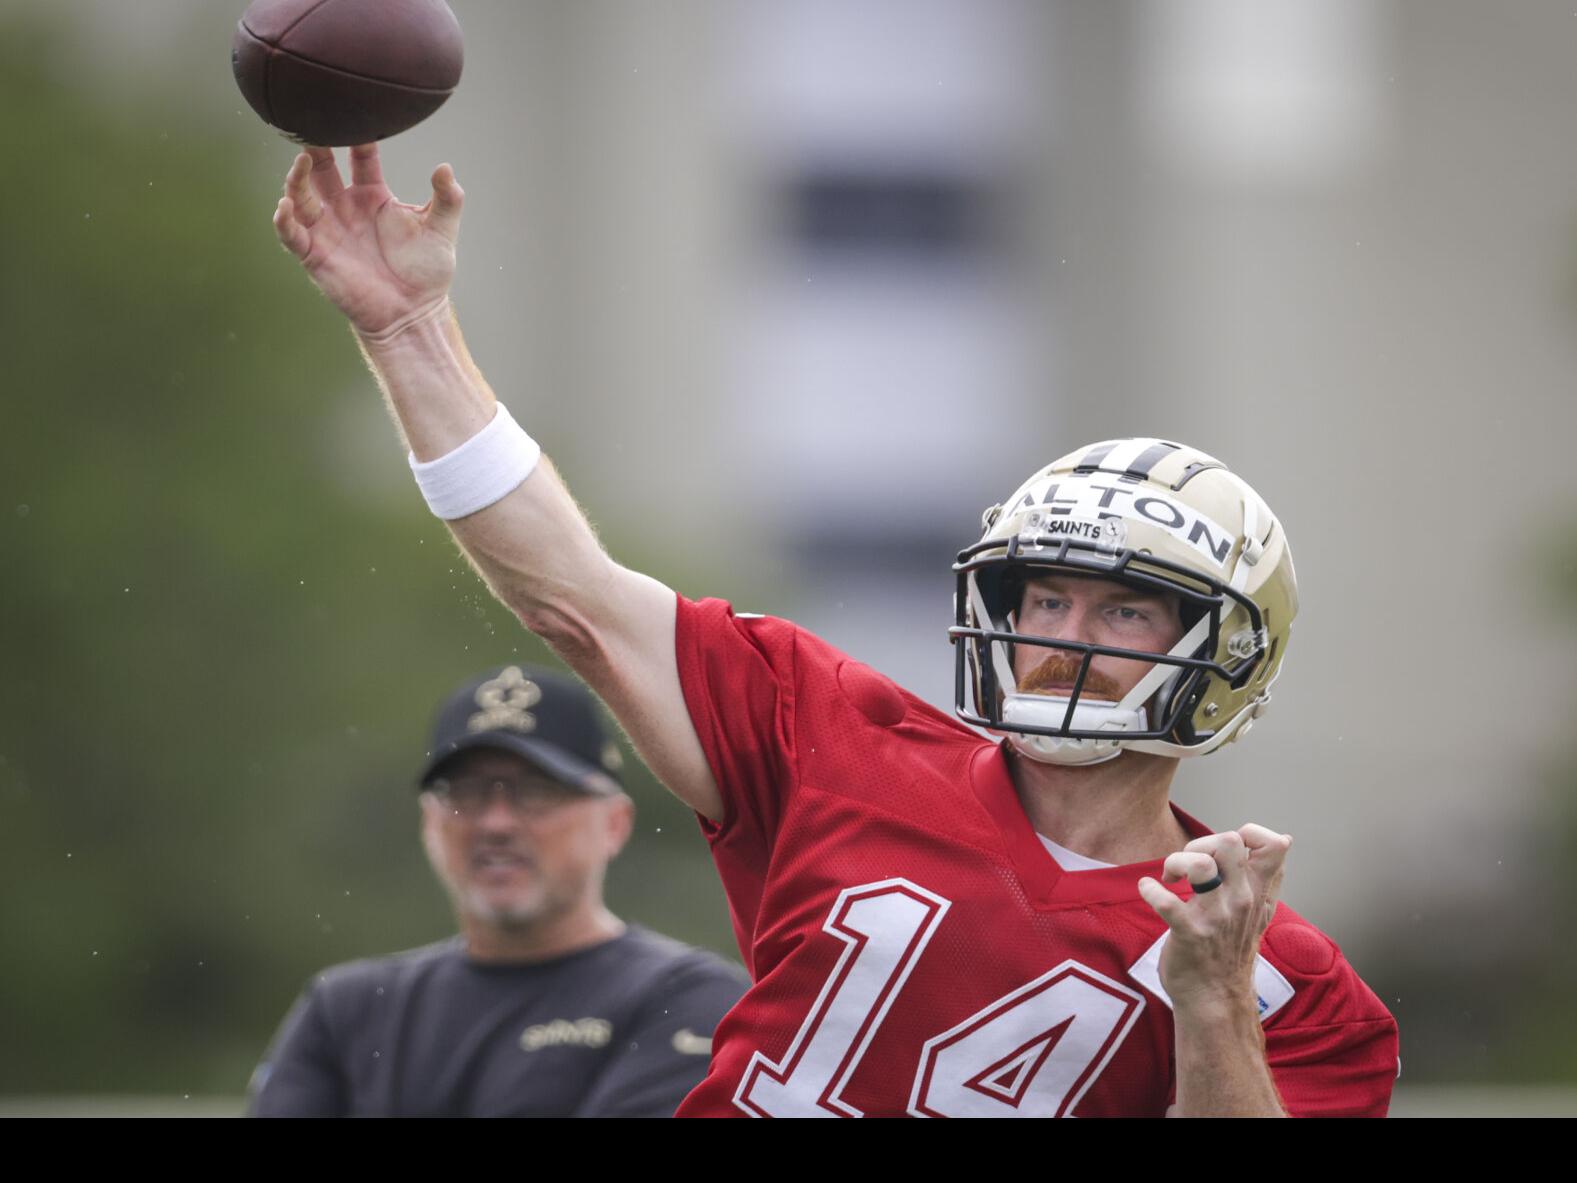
{"x": 388, "y": 267}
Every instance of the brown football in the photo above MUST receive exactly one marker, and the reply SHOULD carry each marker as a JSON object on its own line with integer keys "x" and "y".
{"x": 337, "y": 72}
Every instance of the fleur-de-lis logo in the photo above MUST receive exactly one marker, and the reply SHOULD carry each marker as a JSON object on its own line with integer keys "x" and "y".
{"x": 506, "y": 703}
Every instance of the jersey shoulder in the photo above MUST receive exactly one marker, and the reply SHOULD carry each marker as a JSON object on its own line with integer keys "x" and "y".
{"x": 1322, "y": 986}
{"x": 1333, "y": 1047}
{"x": 814, "y": 667}
{"x": 777, "y": 706}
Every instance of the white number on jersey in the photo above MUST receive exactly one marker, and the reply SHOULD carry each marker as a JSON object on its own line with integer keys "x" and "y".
{"x": 886, "y": 927}
{"x": 1032, "y": 1053}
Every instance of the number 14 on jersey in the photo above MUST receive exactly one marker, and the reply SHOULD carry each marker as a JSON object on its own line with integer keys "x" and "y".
{"x": 1032, "y": 1053}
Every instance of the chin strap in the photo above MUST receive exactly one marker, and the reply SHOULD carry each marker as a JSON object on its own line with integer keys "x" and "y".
{"x": 1069, "y": 753}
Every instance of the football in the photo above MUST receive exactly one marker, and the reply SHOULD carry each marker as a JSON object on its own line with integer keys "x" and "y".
{"x": 338, "y": 72}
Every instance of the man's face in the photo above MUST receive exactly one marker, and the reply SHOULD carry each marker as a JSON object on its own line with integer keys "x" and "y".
{"x": 515, "y": 863}
{"x": 1099, "y": 612}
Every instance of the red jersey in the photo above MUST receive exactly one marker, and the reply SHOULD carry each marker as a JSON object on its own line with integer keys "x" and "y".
{"x": 916, "y": 950}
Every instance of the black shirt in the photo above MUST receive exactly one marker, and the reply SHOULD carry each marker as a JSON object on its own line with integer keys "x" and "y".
{"x": 622, "y": 1029}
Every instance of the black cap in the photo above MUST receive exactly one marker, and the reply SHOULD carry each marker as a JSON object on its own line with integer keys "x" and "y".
{"x": 546, "y": 718}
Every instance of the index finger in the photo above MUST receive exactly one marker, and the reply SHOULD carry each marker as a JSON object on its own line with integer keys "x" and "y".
{"x": 1229, "y": 851}
{"x": 325, "y": 176}
{"x": 1195, "y": 866}
{"x": 365, "y": 168}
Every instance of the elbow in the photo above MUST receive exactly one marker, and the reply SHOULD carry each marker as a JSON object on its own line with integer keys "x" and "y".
{"x": 568, "y": 633}
{"x": 572, "y": 617}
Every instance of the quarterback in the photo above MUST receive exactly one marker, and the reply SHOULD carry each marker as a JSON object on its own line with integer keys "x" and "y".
{"x": 937, "y": 922}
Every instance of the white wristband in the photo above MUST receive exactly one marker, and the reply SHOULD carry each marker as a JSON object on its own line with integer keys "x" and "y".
{"x": 484, "y": 469}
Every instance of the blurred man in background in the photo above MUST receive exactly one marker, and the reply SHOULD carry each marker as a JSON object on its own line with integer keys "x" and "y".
{"x": 546, "y": 1004}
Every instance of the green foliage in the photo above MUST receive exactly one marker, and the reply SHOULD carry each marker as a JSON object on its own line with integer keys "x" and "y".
{"x": 224, "y": 615}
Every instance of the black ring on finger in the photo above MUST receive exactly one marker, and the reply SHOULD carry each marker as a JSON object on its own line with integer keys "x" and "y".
{"x": 1208, "y": 885}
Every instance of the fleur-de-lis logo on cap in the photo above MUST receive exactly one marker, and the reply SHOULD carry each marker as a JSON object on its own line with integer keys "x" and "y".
{"x": 506, "y": 703}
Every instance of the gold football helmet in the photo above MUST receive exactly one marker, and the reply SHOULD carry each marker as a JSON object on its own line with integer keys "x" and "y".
{"x": 1157, "y": 516}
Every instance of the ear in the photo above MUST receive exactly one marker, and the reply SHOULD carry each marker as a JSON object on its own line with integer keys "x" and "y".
{"x": 620, "y": 817}
{"x": 432, "y": 821}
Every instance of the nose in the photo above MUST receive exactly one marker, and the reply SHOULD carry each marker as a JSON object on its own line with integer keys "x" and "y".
{"x": 498, "y": 813}
{"x": 1080, "y": 623}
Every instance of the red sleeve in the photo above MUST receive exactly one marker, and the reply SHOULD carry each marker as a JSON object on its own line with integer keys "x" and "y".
{"x": 1337, "y": 1070}
{"x": 738, "y": 676}
{"x": 1334, "y": 1052}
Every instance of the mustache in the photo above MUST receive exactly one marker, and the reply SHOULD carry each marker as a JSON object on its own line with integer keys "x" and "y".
{"x": 1057, "y": 673}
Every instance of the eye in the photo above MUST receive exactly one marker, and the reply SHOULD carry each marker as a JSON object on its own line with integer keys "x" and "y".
{"x": 1124, "y": 612}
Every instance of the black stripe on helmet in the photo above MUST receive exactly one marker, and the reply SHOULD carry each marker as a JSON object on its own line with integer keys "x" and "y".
{"x": 1149, "y": 458}
{"x": 1092, "y": 458}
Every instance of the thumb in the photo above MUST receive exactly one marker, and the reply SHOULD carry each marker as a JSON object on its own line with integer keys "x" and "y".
{"x": 448, "y": 197}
